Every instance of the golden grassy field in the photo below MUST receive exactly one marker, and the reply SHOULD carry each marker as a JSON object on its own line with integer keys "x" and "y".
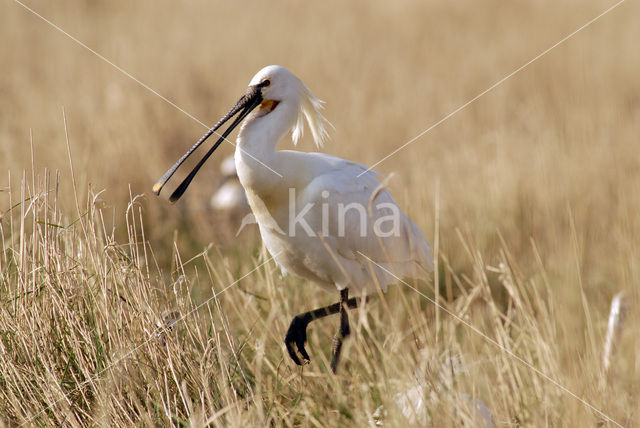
{"x": 535, "y": 186}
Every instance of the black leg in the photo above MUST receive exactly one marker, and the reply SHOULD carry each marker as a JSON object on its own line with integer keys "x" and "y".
{"x": 297, "y": 333}
{"x": 343, "y": 331}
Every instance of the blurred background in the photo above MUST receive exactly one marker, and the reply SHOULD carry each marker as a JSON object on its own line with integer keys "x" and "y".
{"x": 555, "y": 143}
{"x": 547, "y": 164}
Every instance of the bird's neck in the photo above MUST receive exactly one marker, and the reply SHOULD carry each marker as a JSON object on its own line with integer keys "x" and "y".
{"x": 256, "y": 156}
{"x": 261, "y": 132}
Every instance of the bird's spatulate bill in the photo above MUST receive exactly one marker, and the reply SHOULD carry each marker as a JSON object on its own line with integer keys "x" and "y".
{"x": 250, "y": 100}
{"x": 185, "y": 183}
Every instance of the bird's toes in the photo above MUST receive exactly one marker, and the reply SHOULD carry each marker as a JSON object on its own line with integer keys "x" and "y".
{"x": 292, "y": 352}
{"x": 303, "y": 351}
{"x": 297, "y": 335}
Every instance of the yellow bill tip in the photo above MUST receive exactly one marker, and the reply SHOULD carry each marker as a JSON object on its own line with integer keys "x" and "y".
{"x": 157, "y": 188}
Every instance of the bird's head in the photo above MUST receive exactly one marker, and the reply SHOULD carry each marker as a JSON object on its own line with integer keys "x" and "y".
{"x": 277, "y": 84}
{"x": 270, "y": 87}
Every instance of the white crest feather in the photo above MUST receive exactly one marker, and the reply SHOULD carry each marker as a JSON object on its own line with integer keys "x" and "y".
{"x": 310, "y": 107}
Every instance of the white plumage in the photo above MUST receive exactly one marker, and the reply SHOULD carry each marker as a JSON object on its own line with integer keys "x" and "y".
{"x": 229, "y": 196}
{"x": 335, "y": 257}
{"x": 323, "y": 218}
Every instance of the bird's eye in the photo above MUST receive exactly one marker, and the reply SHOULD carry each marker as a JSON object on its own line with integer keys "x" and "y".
{"x": 266, "y": 83}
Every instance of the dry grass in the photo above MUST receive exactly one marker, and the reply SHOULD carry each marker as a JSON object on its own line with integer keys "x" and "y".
{"x": 539, "y": 185}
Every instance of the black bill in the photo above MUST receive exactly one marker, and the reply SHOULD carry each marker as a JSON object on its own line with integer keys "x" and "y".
{"x": 250, "y": 100}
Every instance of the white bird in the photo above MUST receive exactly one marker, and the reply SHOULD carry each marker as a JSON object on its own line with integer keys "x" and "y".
{"x": 413, "y": 405}
{"x": 323, "y": 218}
{"x": 430, "y": 392}
{"x": 229, "y": 196}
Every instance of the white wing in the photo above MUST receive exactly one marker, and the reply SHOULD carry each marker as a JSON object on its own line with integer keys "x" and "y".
{"x": 370, "y": 241}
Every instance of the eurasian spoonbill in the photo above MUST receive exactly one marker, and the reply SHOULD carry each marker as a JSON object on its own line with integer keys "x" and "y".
{"x": 318, "y": 216}
{"x": 229, "y": 196}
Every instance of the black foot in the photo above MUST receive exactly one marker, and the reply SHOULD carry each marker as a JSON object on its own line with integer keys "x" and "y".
{"x": 297, "y": 334}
